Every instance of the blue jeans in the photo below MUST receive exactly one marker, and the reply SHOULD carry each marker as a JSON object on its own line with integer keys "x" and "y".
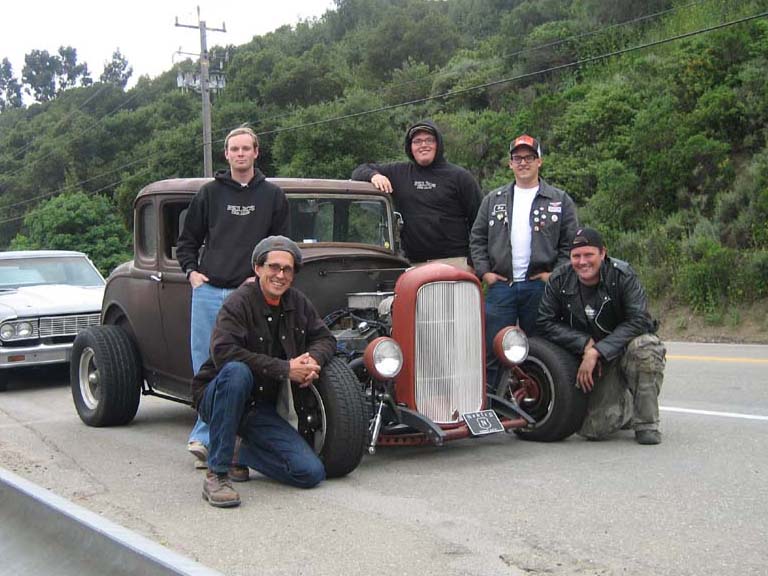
{"x": 268, "y": 443}
{"x": 507, "y": 305}
{"x": 206, "y": 302}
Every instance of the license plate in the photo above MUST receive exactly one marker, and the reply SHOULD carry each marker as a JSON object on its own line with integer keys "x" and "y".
{"x": 483, "y": 422}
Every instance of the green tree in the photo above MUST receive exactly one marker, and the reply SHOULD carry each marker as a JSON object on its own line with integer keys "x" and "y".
{"x": 71, "y": 72}
{"x": 10, "y": 88}
{"x": 77, "y": 221}
{"x": 333, "y": 150}
{"x": 117, "y": 71}
{"x": 39, "y": 74}
{"x": 46, "y": 75}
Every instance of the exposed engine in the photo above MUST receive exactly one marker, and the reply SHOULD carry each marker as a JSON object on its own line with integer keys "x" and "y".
{"x": 366, "y": 317}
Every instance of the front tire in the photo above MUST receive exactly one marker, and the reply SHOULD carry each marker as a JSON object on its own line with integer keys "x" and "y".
{"x": 105, "y": 376}
{"x": 546, "y": 391}
{"x": 332, "y": 418}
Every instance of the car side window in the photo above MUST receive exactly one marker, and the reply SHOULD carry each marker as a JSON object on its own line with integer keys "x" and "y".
{"x": 146, "y": 236}
{"x": 174, "y": 213}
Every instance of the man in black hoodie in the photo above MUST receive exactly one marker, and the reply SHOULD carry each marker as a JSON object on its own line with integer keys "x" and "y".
{"x": 438, "y": 200}
{"x": 224, "y": 221}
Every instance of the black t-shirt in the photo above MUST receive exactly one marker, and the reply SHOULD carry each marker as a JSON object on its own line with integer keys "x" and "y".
{"x": 590, "y": 303}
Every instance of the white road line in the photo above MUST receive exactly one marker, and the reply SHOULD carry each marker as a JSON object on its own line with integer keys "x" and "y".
{"x": 714, "y": 413}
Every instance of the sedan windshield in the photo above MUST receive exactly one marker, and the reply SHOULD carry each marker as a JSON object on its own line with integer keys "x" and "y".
{"x": 72, "y": 270}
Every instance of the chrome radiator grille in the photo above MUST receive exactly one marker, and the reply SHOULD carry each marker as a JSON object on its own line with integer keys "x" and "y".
{"x": 449, "y": 354}
{"x": 67, "y": 325}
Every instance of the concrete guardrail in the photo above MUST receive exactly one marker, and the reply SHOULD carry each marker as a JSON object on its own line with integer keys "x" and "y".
{"x": 42, "y": 533}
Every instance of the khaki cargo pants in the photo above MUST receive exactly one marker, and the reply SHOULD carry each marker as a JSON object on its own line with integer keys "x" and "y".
{"x": 627, "y": 393}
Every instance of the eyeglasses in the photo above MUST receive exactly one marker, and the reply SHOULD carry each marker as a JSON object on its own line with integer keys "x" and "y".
{"x": 429, "y": 141}
{"x": 276, "y": 269}
{"x": 528, "y": 159}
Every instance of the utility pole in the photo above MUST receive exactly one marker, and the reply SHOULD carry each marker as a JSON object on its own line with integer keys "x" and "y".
{"x": 205, "y": 89}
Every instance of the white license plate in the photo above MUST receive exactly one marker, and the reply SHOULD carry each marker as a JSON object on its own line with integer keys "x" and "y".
{"x": 483, "y": 422}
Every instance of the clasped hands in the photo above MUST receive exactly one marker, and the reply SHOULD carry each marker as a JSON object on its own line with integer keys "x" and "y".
{"x": 304, "y": 370}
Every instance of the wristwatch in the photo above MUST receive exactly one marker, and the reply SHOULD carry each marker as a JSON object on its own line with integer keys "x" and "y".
{"x": 188, "y": 272}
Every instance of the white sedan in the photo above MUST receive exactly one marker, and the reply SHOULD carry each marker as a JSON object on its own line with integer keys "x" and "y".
{"x": 46, "y": 298}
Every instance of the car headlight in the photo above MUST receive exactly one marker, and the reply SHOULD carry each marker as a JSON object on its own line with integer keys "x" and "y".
{"x": 24, "y": 330}
{"x": 383, "y": 358}
{"x": 511, "y": 345}
{"x": 18, "y": 330}
{"x": 7, "y": 331}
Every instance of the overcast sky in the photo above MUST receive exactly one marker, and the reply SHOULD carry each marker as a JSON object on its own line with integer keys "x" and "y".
{"x": 143, "y": 30}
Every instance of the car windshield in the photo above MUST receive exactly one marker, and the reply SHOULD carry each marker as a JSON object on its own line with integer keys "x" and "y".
{"x": 72, "y": 270}
{"x": 347, "y": 219}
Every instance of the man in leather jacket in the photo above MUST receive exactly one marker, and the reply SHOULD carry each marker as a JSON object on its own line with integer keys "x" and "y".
{"x": 521, "y": 234}
{"x": 597, "y": 310}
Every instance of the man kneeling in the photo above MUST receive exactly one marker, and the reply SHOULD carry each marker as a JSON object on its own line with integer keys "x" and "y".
{"x": 267, "y": 335}
{"x": 596, "y": 309}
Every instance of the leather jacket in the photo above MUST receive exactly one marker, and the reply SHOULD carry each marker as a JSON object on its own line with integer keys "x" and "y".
{"x": 622, "y": 314}
{"x": 553, "y": 225}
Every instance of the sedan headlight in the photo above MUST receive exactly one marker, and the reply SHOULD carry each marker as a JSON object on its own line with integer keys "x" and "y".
{"x": 24, "y": 330}
{"x": 511, "y": 346}
{"x": 7, "y": 331}
{"x": 383, "y": 358}
{"x": 18, "y": 330}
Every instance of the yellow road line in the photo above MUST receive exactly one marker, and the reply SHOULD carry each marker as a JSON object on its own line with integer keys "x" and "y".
{"x": 717, "y": 359}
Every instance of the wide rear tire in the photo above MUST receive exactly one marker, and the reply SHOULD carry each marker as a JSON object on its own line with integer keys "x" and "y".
{"x": 105, "y": 376}
{"x": 549, "y": 395}
{"x": 332, "y": 418}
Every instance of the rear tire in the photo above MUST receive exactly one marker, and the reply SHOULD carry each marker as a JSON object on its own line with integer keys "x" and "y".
{"x": 105, "y": 376}
{"x": 332, "y": 418}
{"x": 550, "y": 395}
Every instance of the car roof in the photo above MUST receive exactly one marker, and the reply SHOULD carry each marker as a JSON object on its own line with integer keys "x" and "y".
{"x": 192, "y": 185}
{"x": 16, "y": 254}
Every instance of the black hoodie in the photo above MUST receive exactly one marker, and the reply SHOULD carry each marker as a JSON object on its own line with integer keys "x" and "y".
{"x": 438, "y": 202}
{"x": 230, "y": 219}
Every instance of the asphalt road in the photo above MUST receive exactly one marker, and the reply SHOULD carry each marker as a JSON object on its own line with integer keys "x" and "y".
{"x": 695, "y": 505}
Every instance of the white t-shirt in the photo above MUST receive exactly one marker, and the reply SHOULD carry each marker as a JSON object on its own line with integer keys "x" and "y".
{"x": 520, "y": 231}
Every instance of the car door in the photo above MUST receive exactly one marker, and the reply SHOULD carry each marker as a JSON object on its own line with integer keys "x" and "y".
{"x": 174, "y": 296}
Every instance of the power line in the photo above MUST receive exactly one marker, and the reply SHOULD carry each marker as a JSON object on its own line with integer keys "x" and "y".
{"x": 85, "y": 130}
{"x": 76, "y": 185}
{"x": 293, "y": 113}
{"x": 512, "y": 54}
{"x": 23, "y": 149}
{"x": 574, "y": 64}
{"x": 89, "y": 193}
{"x": 445, "y": 95}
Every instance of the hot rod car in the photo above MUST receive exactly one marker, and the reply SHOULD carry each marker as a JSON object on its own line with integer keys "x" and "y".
{"x": 410, "y": 363}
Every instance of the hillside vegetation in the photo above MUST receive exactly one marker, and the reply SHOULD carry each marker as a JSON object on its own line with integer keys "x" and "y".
{"x": 652, "y": 114}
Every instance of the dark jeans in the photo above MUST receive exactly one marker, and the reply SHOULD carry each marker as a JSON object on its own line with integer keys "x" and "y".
{"x": 507, "y": 305}
{"x": 269, "y": 444}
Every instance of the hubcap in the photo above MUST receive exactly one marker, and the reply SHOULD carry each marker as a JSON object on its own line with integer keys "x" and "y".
{"x": 88, "y": 376}
{"x": 312, "y": 423}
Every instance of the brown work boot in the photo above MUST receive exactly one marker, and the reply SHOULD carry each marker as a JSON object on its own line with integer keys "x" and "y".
{"x": 217, "y": 489}
{"x": 238, "y": 473}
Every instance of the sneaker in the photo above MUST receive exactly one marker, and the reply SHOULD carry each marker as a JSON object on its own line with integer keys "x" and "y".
{"x": 238, "y": 473}
{"x": 217, "y": 489}
{"x": 648, "y": 437}
{"x": 200, "y": 452}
